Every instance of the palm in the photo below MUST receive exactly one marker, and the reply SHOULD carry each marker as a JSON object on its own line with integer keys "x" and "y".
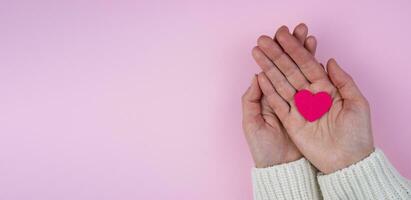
{"x": 330, "y": 139}
{"x": 339, "y": 138}
{"x": 269, "y": 140}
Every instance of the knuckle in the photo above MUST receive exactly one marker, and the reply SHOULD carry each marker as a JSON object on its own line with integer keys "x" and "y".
{"x": 308, "y": 64}
{"x": 291, "y": 71}
{"x": 277, "y": 56}
{"x": 282, "y": 87}
{"x": 280, "y": 83}
{"x": 294, "y": 49}
{"x": 361, "y": 105}
{"x": 365, "y": 103}
{"x": 289, "y": 98}
{"x": 244, "y": 97}
{"x": 272, "y": 97}
{"x": 299, "y": 85}
{"x": 348, "y": 81}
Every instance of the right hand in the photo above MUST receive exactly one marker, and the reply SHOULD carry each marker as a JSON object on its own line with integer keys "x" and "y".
{"x": 339, "y": 138}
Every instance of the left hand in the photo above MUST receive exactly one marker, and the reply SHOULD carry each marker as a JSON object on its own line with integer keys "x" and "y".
{"x": 268, "y": 141}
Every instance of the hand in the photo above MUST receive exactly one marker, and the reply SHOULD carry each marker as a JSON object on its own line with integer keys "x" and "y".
{"x": 342, "y": 136}
{"x": 268, "y": 141}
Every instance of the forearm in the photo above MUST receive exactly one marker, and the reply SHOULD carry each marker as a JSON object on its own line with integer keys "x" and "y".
{"x": 294, "y": 180}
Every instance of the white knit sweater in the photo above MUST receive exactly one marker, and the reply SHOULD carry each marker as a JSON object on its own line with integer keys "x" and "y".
{"x": 372, "y": 178}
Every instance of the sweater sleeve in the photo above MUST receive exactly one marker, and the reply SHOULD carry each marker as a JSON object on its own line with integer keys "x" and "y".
{"x": 294, "y": 180}
{"x": 372, "y": 178}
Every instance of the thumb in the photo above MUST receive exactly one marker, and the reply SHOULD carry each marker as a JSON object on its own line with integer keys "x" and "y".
{"x": 343, "y": 82}
{"x": 251, "y": 101}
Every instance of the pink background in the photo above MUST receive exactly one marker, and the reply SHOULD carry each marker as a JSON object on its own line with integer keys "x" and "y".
{"x": 141, "y": 99}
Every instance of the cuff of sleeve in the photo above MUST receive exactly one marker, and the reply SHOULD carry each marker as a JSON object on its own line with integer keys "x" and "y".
{"x": 294, "y": 180}
{"x": 372, "y": 178}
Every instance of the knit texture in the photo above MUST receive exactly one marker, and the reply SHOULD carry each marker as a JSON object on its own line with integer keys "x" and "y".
{"x": 372, "y": 178}
{"x": 294, "y": 180}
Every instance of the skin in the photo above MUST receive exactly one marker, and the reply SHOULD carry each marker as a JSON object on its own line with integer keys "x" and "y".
{"x": 340, "y": 138}
{"x": 268, "y": 140}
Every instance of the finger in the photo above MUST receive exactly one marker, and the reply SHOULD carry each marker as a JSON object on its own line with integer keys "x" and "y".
{"x": 251, "y": 101}
{"x": 311, "y": 44}
{"x": 343, "y": 82}
{"x": 281, "y": 84}
{"x": 268, "y": 113}
{"x": 300, "y": 32}
{"x": 301, "y": 56}
{"x": 283, "y": 62}
{"x": 278, "y": 104}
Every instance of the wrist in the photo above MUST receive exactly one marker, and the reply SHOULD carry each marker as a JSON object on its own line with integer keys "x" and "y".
{"x": 264, "y": 163}
{"x": 278, "y": 158}
{"x": 346, "y": 160}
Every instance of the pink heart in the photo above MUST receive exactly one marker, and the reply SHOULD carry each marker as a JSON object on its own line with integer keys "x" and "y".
{"x": 312, "y": 106}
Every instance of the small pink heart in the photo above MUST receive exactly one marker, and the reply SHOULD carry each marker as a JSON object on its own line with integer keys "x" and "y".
{"x": 312, "y": 106}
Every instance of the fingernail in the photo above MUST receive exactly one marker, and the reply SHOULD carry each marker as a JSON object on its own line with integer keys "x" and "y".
{"x": 286, "y": 28}
{"x": 254, "y": 77}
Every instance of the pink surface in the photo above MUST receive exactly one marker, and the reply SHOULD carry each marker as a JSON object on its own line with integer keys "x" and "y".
{"x": 141, "y": 99}
{"x": 312, "y": 106}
